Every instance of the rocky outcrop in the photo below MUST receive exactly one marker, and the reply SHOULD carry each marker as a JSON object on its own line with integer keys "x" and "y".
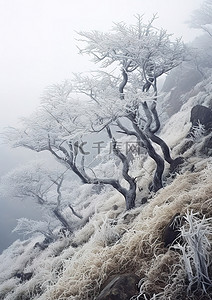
{"x": 171, "y": 232}
{"x": 24, "y": 276}
{"x": 203, "y": 115}
{"x": 121, "y": 287}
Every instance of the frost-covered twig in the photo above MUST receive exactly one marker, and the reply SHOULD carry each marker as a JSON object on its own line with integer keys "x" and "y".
{"x": 142, "y": 294}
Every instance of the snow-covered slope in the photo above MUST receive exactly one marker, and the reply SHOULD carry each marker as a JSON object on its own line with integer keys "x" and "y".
{"x": 114, "y": 241}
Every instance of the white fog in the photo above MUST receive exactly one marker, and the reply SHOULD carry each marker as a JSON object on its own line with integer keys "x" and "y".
{"x": 71, "y": 231}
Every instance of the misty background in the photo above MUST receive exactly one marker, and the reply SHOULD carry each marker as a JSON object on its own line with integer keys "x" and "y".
{"x": 38, "y": 48}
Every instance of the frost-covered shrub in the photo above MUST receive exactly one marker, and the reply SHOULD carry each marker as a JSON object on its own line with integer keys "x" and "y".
{"x": 107, "y": 233}
{"x": 195, "y": 251}
{"x": 7, "y": 286}
{"x": 198, "y": 132}
{"x": 33, "y": 227}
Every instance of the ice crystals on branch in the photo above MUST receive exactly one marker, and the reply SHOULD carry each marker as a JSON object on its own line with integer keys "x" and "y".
{"x": 32, "y": 227}
{"x": 140, "y": 46}
{"x": 104, "y": 104}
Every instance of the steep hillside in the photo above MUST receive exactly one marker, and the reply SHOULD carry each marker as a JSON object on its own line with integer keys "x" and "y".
{"x": 115, "y": 242}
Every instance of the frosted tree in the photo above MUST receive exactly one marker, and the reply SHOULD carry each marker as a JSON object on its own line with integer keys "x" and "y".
{"x": 58, "y": 127}
{"x": 201, "y": 54}
{"x": 202, "y": 17}
{"x": 40, "y": 184}
{"x": 32, "y": 227}
{"x": 139, "y": 55}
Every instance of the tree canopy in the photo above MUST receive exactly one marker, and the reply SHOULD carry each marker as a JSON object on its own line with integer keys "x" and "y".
{"x": 121, "y": 96}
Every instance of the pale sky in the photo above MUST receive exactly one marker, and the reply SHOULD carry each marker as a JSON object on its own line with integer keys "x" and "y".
{"x": 37, "y": 41}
